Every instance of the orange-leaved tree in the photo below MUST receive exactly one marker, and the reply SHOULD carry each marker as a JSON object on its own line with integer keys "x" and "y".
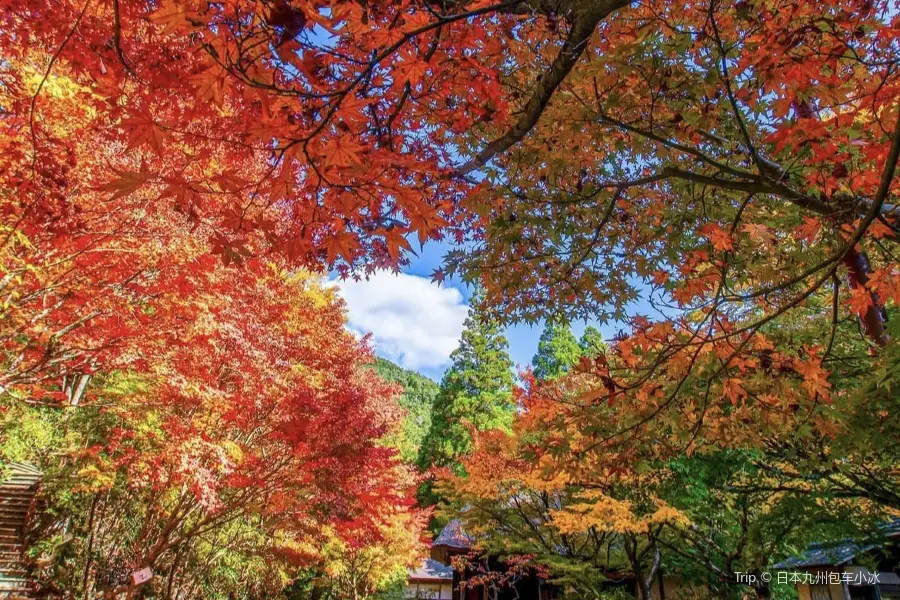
{"x": 254, "y": 429}
{"x": 552, "y": 496}
{"x": 718, "y": 179}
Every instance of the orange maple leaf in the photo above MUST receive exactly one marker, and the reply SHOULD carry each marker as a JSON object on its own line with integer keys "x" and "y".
{"x": 127, "y": 183}
{"x": 171, "y": 14}
{"x": 733, "y": 390}
{"x": 886, "y": 284}
{"x": 342, "y": 244}
{"x": 382, "y": 37}
{"x": 718, "y": 237}
{"x": 426, "y": 221}
{"x": 815, "y": 378}
{"x": 395, "y": 240}
{"x": 340, "y": 153}
{"x": 142, "y": 131}
{"x": 860, "y": 301}
{"x": 411, "y": 68}
{"x": 809, "y": 230}
{"x": 880, "y": 231}
{"x": 353, "y": 109}
{"x": 210, "y": 86}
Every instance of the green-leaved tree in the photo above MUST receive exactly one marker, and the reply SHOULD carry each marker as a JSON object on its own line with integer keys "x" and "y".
{"x": 558, "y": 351}
{"x": 476, "y": 392}
{"x": 591, "y": 342}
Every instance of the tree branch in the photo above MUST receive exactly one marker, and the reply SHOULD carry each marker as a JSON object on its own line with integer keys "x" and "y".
{"x": 583, "y": 25}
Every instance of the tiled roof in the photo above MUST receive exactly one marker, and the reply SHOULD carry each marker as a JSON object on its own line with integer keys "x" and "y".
{"x": 453, "y": 536}
{"x": 839, "y": 553}
{"x": 431, "y": 570}
{"x": 19, "y": 468}
{"x": 19, "y": 474}
{"x": 819, "y": 555}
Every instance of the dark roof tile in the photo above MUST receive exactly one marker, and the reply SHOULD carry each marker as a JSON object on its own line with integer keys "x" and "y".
{"x": 454, "y": 536}
{"x": 841, "y": 552}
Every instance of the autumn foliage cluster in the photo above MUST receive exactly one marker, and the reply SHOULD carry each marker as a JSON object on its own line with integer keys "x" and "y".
{"x": 216, "y": 424}
{"x": 716, "y": 179}
{"x": 195, "y": 403}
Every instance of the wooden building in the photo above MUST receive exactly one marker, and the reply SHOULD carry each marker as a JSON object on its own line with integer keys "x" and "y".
{"x": 847, "y": 570}
{"x": 18, "y": 492}
{"x": 454, "y": 541}
{"x": 430, "y": 581}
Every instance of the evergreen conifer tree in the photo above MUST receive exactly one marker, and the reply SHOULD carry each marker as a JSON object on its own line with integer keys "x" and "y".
{"x": 476, "y": 391}
{"x": 558, "y": 351}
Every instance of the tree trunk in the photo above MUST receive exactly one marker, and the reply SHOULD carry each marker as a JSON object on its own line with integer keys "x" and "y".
{"x": 647, "y": 582}
{"x": 646, "y": 589}
{"x": 85, "y": 579}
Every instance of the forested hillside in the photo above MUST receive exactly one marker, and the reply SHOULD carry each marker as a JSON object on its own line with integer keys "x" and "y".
{"x": 417, "y": 399}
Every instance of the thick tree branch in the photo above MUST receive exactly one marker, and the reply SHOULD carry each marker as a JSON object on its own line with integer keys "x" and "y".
{"x": 584, "y": 21}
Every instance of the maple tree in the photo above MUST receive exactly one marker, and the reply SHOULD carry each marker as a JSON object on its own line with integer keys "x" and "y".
{"x": 730, "y": 163}
{"x": 734, "y": 158}
{"x": 369, "y": 569}
{"x": 181, "y": 405}
{"x": 255, "y": 447}
{"x": 546, "y": 495}
{"x": 582, "y": 535}
{"x": 184, "y": 378}
{"x": 728, "y": 168}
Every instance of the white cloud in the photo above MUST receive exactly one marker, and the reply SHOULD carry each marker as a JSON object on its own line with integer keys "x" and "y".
{"x": 413, "y": 321}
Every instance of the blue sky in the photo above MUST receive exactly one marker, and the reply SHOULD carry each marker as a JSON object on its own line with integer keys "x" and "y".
{"x": 417, "y": 323}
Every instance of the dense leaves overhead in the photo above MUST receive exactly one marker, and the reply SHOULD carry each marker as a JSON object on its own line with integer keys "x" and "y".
{"x": 152, "y": 290}
{"x": 294, "y": 128}
{"x": 718, "y": 179}
{"x": 692, "y": 136}
{"x": 726, "y": 157}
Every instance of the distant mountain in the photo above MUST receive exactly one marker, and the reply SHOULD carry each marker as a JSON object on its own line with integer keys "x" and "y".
{"x": 417, "y": 400}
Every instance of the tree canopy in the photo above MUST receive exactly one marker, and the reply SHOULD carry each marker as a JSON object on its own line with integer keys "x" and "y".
{"x": 591, "y": 342}
{"x": 265, "y": 449}
{"x": 725, "y": 159}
